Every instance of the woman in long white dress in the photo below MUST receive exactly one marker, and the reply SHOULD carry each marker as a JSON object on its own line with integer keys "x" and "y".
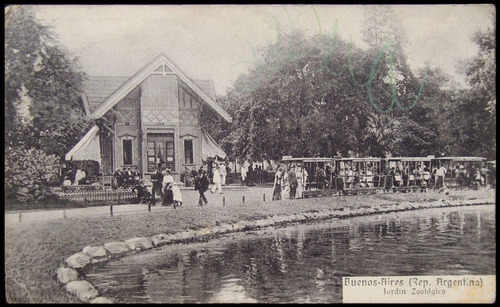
{"x": 217, "y": 180}
{"x": 285, "y": 190}
{"x": 168, "y": 197}
{"x": 300, "y": 181}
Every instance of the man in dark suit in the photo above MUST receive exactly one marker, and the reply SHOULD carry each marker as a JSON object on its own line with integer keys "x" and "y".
{"x": 292, "y": 181}
{"x": 201, "y": 184}
{"x": 156, "y": 179}
{"x": 118, "y": 178}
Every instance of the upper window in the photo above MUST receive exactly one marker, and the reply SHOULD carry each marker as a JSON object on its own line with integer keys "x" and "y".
{"x": 188, "y": 152}
{"x": 127, "y": 152}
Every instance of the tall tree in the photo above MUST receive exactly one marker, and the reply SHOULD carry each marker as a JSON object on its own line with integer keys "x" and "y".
{"x": 299, "y": 101}
{"x": 394, "y": 90}
{"x": 40, "y": 72}
{"x": 473, "y": 125}
{"x": 382, "y": 25}
{"x": 481, "y": 70}
{"x": 24, "y": 38}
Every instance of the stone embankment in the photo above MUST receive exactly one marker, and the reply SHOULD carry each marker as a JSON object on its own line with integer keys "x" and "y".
{"x": 71, "y": 273}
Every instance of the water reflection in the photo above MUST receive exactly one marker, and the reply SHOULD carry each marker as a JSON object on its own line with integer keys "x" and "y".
{"x": 305, "y": 263}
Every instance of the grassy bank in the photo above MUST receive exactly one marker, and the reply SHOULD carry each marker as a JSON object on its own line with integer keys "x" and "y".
{"x": 33, "y": 252}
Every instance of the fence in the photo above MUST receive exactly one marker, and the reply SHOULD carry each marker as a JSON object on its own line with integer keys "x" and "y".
{"x": 95, "y": 194}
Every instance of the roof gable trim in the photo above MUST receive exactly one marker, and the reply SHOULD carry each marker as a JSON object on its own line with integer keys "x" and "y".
{"x": 160, "y": 65}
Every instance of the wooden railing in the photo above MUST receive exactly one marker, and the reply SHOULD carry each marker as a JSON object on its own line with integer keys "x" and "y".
{"x": 95, "y": 194}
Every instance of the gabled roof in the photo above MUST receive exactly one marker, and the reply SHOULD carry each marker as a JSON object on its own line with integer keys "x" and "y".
{"x": 104, "y": 87}
{"x": 207, "y": 86}
{"x": 98, "y": 88}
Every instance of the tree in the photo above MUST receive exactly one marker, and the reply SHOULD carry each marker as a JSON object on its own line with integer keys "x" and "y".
{"x": 299, "y": 101}
{"x": 24, "y": 38}
{"x": 393, "y": 89}
{"x": 382, "y": 25}
{"x": 481, "y": 70}
{"x": 40, "y": 72}
{"x": 472, "y": 113}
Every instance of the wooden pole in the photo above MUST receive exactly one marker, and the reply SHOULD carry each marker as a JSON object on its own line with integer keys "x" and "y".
{"x": 264, "y": 197}
{"x": 111, "y": 209}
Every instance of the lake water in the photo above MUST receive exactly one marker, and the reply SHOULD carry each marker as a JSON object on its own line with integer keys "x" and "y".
{"x": 305, "y": 263}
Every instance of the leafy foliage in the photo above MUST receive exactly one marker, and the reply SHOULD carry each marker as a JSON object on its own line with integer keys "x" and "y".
{"x": 309, "y": 98}
{"x": 24, "y": 38}
{"x": 43, "y": 107}
{"x": 40, "y": 72}
{"x": 29, "y": 173}
{"x": 321, "y": 96}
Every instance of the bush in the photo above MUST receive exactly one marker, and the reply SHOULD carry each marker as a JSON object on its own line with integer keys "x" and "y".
{"x": 29, "y": 173}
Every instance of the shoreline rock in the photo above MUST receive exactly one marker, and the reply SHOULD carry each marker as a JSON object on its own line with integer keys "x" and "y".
{"x": 89, "y": 255}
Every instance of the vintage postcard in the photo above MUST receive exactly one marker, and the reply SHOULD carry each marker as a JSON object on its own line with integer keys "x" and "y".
{"x": 250, "y": 154}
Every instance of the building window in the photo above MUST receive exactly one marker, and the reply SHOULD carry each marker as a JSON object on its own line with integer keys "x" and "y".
{"x": 127, "y": 152}
{"x": 188, "y": 152}
{"x": 169, "y": 149}
{"x": 160, "y": 151}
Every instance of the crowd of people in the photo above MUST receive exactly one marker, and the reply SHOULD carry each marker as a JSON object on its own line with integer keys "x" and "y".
{"x": 77, "y": 178}
{"x": 253, "y": 175}
{"x": 290, "y": 181}
{"x": 126, "y": 177}
{"x": 398, "y": 176}
{"x": 163, "y": 186}
{"x": 168, "y": 190}
{"x": 289, "y": 184}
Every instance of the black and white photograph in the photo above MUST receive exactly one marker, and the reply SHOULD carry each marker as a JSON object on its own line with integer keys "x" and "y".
{"x": 250, "y": 153}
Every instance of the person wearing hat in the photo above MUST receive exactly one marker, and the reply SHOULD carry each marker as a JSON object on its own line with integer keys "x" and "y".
{"x": 201, "y": 185}
{"x": 142, "y": 192}
{"x": 168, "y": 196}
{"x": 157, "y": 179}
{"x": 278, "y": 181}
{"x": 461, "y": 176}
{"x": 292, "y": 181}
{"x": 300, "y": 181}
{"x": 217, "y": 180}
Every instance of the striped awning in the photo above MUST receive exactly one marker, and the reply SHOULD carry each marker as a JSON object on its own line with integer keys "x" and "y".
{"x": 209, "y": 148}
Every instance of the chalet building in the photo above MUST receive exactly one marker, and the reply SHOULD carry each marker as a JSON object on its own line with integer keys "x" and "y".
{"x": 150, "y": 118}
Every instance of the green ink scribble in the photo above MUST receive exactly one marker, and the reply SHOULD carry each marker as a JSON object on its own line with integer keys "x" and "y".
{"x": 319, "y": 22}
{"x": 255, "y": 61}
{"x": 375, "y": 70}
{"x": 326, "y": 57}
{"x": 291, "y": 54}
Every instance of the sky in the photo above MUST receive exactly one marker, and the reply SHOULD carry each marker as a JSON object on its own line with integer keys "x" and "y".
{"x": 216, "y": 42}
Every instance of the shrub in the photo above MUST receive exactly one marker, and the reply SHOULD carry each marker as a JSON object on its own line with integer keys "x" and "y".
{"x": 29, "y": 174}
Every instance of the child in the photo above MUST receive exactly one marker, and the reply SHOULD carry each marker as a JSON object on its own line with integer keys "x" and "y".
{"x": 177, "y": 195}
